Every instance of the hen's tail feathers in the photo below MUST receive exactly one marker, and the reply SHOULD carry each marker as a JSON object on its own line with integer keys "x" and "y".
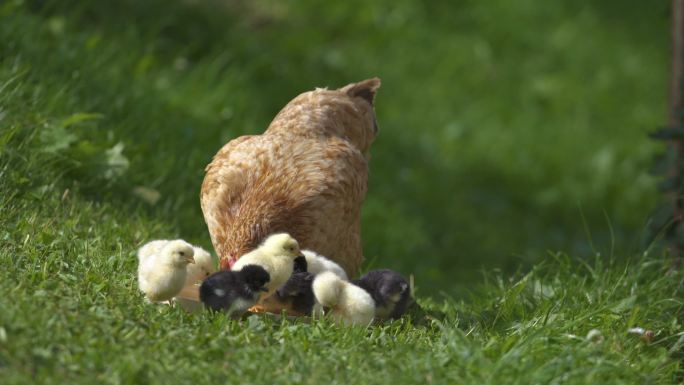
{"x": 365, "y": 89}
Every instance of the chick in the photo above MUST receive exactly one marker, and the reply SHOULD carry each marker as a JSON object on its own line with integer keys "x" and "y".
{"x": 295, "y": 296}
{"x": 300, "y": 265}
{"x": 287, "y": 297}
{"x": 151, "y": 248}
{"x": 276, "y": 255}
{"x": 317, "y": 264}
{"x": 203, "y": 267}
{"x": 161, "y": 275}
{"x": 348, "y": 304}
{"x": 389, "y": 290}
{"x": 234, "y": 291}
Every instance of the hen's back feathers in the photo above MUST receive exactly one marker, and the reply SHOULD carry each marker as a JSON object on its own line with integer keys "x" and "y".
{"x": 306, "y": 175}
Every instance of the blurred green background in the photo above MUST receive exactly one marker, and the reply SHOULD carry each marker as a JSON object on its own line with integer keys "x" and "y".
{"x": 507, "y": 128}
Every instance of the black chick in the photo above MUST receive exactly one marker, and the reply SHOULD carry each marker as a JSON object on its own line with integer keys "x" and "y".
{"x": 297, "y": 294}
{"x": 389, "y": 290}
{"x": 234, "y": 291}
{"x": 300, "y": 265}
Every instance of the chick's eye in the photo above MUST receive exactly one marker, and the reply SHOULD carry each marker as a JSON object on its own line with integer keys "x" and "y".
{"x": 181, "y": 253}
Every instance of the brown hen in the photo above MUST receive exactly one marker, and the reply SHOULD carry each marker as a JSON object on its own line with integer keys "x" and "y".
{"x": 306, "y": 175}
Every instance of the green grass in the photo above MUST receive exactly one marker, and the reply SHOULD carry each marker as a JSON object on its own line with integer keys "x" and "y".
{"x": 502, "y": 124}
{"x": 71, "y": 313}
{"x": 499, "y": 120}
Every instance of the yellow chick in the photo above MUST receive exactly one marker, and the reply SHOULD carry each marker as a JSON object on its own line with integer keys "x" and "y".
{"x": 348, "y": 304}
{"x": 161, "y": 275}
{"x": 317, "y": 264}
{"x": 276, "y": 255}
{"x": 203, "y": 266}
{"x": 197, "y": 272}
{"x": 151, "y": 248}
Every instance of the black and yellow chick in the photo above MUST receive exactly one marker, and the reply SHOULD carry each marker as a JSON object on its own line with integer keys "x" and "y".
{"x": 390, "y": 292}
{"x": 297, "y": 294}
{"x": 234, "y": 291}
{"x": 300, "y": 265}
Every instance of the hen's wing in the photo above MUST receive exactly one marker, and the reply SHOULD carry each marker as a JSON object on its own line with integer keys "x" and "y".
{"x": 334, "y": 211}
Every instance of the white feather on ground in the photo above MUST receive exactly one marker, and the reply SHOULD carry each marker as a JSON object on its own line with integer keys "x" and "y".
{"x": 348, "y": 304}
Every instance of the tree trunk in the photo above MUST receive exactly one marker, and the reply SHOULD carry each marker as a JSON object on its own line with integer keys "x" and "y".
{"x": 676, "y": 121}
{"x": 677, "y": 64}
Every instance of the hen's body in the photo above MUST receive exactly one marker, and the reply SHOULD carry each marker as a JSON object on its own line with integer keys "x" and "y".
{"x": 306, "y": 175}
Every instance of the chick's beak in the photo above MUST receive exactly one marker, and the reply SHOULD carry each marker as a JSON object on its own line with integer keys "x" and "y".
{"x": 190, "y": 258}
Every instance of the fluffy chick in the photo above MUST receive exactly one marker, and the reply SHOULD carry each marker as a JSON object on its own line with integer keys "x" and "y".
{"x": 276, "y": 255}
{"x": 161, "y": 275}
{"x": 390, "y": 292}
{"x": 348, "y": 304}
{"x": 300, "y": 265}
{"x": 234, "y": 291}
{"x": 317, "y": 264}
{"x": 203, "y": 267}
{"x": 151, "y": 248}
{"x": 286, "y": 295}
{"x": 200, "y": 269}
{"x": 295, "y": 296}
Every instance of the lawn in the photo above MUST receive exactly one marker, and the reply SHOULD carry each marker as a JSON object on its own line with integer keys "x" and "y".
{"x": 507, "y": 129}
